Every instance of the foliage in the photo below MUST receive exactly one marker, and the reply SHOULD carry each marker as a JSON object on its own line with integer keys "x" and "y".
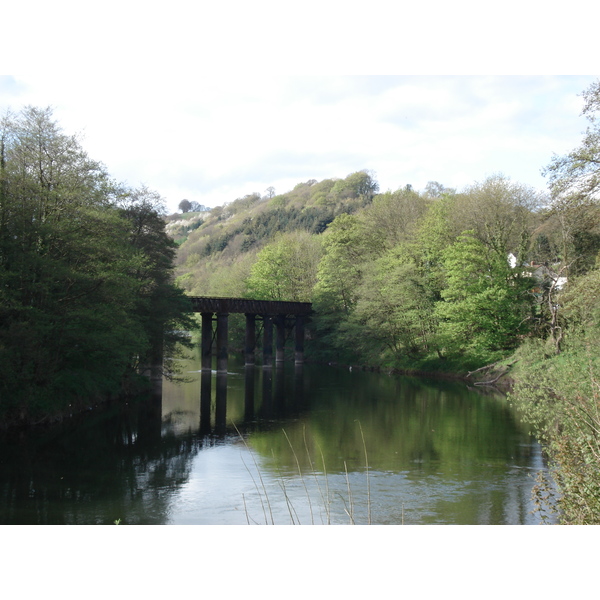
{"x": 398, "y": 284}
{"x": 393, "y": 216}
{"x": 85, "y": 273}
{"x": 361, "y": 185}
{"x": 394, "y": 316}
{"x": 500, "y": 213}
{"x": 339, "y": 271}
{"x": 560, "y": 396}
{"x": 485, "y": 303}
{"x": 285, "y": 269}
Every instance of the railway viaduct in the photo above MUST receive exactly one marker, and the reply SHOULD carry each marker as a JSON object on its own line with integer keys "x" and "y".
{"x": 273, "y": 314}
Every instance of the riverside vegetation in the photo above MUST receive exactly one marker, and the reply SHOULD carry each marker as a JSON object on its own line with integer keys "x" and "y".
{"x": 87, "y": 297}
{"x": 496, "y": 282}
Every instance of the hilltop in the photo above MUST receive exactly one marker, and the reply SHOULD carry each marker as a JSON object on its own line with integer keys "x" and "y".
{"x": 216, "y": 248}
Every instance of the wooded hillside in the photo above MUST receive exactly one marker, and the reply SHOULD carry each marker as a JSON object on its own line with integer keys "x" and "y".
{"x": 398, "y": 279}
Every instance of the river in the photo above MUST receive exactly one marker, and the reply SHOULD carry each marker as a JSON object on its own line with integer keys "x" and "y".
{"x": 315, "y": 445}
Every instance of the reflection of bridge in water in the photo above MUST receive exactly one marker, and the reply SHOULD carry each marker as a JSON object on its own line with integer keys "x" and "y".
{"x": 282, "y": 315}
{"x": 268, "y": 394}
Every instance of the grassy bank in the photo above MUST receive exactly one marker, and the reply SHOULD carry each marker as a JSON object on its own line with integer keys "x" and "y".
{"x": 560, "y": 396}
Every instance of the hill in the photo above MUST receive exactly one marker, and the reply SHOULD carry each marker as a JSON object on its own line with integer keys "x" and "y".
{"x": 217, "y": 248}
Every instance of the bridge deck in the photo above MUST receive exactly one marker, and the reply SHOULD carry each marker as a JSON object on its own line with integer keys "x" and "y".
{"x": 206, "y": 304}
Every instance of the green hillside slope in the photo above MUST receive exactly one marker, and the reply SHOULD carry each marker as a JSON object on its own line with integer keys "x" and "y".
{"x": 218, "y": 248}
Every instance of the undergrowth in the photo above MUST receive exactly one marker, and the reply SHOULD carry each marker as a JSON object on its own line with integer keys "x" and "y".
{"x": 560, "y": 397}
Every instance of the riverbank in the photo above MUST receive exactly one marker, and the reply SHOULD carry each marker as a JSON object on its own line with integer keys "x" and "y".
{"x": 497, "y": 374}
{"x": 559, "y": 394}
{"x": 72, "y": 407}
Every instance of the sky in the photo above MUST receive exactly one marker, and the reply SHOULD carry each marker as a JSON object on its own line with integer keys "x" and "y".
{"x": 213, "y": 138}
{"x": 212, "y": 101}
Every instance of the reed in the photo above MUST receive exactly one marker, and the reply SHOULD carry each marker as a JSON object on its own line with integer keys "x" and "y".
{"x": 290, "y": 506}
{"x": 362, "y": 435}
{"x": 326, "y": 500}
{"x": 325, "y": 495}
{"x": 301, "y": 476}
{"x": 254, "y": 481}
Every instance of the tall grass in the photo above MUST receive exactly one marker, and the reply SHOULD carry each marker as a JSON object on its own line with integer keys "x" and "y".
{"x": 254, "y": 481}
{"x": 321, "y": 484}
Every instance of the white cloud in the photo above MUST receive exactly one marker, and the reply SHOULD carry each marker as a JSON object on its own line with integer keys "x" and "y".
{"x": 213, "y": 138}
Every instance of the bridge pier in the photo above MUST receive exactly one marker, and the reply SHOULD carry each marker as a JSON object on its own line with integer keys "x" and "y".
{"x": 207, "y": 336}
{"x": 280, "y": 338}
{"x": 222, "y": 334}
{"x": 267, "y": 341}
{"x": 250, "y": 342}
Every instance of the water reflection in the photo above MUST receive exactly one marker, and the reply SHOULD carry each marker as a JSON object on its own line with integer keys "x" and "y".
{"x": 205, "y": 402}
{"x": 94, "y": 469}
{"x": 270, "y": 393}
{"x": 249, "y": 392}
{"x": 433, "y": 452}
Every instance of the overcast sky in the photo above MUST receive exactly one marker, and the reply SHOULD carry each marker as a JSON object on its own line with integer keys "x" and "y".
{"x": 214, "y": 139}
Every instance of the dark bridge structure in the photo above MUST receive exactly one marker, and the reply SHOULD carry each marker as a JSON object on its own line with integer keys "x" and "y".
{"x": 281, "y": 315}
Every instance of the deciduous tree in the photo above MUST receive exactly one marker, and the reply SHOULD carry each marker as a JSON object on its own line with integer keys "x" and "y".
{"x": 286, "y": 269}
{"x": 486, "y": 303}
{"x": 185, "y": 206}
{"x": 85, "y": 282}
{"x": 576, "y": 176}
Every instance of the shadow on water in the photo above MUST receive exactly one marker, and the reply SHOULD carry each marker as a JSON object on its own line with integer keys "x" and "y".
{"x": 437, "y": 453}
{"x": 126, "y": 458}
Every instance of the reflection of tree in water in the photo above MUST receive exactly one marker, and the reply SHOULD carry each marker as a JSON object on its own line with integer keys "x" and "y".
{"x": 117, "y": 464}
{"x": 450, "y": 454}
{"x": 405, "y": 423}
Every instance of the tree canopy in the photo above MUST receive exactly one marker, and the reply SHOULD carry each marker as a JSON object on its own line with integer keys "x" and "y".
{"x": 86, "y": 288}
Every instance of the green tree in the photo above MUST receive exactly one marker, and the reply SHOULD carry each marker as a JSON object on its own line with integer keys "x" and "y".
{"x": 393, "y": 319}
{"x": 501, "y": 214}
{"x": 81, "y": 279}
{"x": 392, "y": 217}
{"x": 360, "y": 185}
{"x": 286, "y": 269}
{"x": 159, "y": 303}
{"x": 340, "y": 269}
{"x": 486, "y": 305}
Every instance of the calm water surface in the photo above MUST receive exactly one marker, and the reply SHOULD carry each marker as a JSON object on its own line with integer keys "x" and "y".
{"x": 317, "y": 445}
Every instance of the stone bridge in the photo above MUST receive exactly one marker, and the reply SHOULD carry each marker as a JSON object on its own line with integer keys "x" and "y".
{"x": 282, "y": 315}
